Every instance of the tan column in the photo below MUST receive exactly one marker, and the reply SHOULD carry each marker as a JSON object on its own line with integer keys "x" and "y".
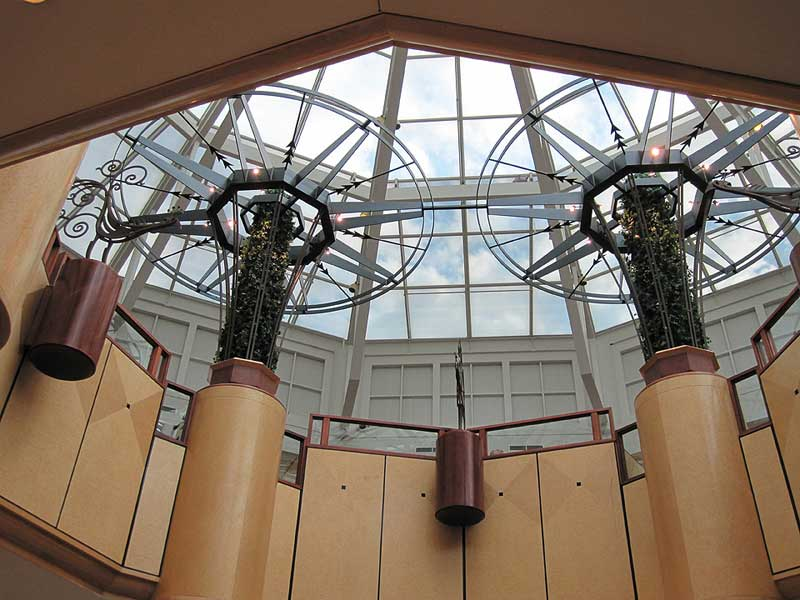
{"x": 31, "y": 196}
{"x": 704, "y": 516}
{"x": 219, "y": 537}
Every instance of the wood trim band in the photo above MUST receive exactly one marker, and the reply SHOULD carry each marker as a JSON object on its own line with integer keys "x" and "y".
{"x": 379, "y": 31}
{"x": 32, "y": 538}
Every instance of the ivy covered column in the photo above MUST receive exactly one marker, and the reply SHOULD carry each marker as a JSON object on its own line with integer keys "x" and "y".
{"x": 668, "y": 311}
{"x": 260, "y": 290}
{"x": 219, "y": 538}
{"x": 706, "y": 527}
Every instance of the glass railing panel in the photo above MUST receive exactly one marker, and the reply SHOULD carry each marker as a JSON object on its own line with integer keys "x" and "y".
{"x": 786, "y": 326}
{"x": 632, "y": 454}
{"x": 291, "y": 451}
{"x": 752, "y": 406}
{"x": 130, "y": 340}
{"x": 174, "y": 413}
{"x": 315, "y": 435}
{"x": 536, "y": 436}
{"x": 382, "y": 438}
{"x": 605, "y": 426}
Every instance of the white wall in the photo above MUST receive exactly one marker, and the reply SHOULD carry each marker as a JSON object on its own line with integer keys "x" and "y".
{"x": 506, "y": 378}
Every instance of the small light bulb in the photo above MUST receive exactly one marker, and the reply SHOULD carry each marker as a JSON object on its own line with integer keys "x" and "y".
{"x": 211, "y": 189}
{"x": 655, "y": 152}
{"x": 704, "y": 166}
{"x": 230, "y": 223}
{"x": 758, "y": 127}
{"x": 256, "y": 171}
{"x": 339, "y": 218}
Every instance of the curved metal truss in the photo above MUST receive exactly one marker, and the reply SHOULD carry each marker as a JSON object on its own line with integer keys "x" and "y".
{"x": 707, "y": 160}
{"x": 217, "y": 186}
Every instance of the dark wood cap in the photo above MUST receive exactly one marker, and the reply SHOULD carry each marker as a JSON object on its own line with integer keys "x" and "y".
{"x": 245, "y": 372}
{"x": 681, "y": 359}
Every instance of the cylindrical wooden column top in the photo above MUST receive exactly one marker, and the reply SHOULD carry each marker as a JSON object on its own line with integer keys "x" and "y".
{"x": 459, "y": 478}
{"x": 245, "y": 372}
{"x": 681, "y": 359}
{"x": 75, "y": 321}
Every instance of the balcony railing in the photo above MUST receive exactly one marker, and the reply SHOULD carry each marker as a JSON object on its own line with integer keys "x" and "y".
{"x": 176, "y": 413}
{"x": 779, "y": 330}
{"x": 371, "y": 436}
{"x": 547, "y": 433}
{"x": 629, "y": 454}
{"x": 748, "y": 401}
{"x": 130, "y": 336}
{"x": 292, "y": 459}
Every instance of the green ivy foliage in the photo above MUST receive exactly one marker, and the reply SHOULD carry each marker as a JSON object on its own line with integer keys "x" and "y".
{"x": 254, "y": 260}
{"x": 655, "y": 259}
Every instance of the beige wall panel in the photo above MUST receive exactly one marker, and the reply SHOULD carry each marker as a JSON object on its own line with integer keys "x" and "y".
{"x": 226, "y": 498}
{"x": 22, "y": 318}
{"x": 31, "y": 196}
{"x": 105, "y": 485}
{"x": 709, "y": 539}
{"x": 153, "y": 514}
{"x": 779, "y": 382}
{"x": 40, "y": 435}
{"x": 281, "y": 543}
{"x": 586, "y": 548}
{"x": 338, "y": 542}
{"x": 504, "y": 551}
{"x": 778, "y": 521}
{"x": 646, "y": 566}
{"x": 420, "y": 557}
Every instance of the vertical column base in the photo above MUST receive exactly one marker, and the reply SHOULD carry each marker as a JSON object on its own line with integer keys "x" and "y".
{"x": 706, "y": 525}
{"x": 219, "y": 537}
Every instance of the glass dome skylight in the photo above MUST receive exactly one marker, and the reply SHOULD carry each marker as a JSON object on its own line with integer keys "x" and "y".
{"x": 450, "y": 112}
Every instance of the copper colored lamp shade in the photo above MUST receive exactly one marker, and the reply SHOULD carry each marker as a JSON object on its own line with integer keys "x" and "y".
{"x": 75, "y": 319}
{"x": 794, "y": 259}
{"x": 459, "y": 478}
{"x": 5, "y": 321}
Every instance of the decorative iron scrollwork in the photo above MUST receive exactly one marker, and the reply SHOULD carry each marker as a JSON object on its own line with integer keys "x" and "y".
{"x": 95, "y": 201}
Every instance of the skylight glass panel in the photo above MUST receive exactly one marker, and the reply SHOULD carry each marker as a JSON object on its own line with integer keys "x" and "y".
{"x": 484, "y": 267}
{"x": 335, "y": 323}
{"x": 487, "y": 88}
{"x": 500, "y": 312}
{"x": 370, "y": 71}
{"x": 546, "y": 82}
{"x": 549, "y": 314}
{"x": 443, "y": 263}
{"x": 429, "y": 89}
{"x": 387, "y": 317}
{"x": 480, "y": 135}
{"x": 437, "y": 314}
{"x": 434, "y": 145}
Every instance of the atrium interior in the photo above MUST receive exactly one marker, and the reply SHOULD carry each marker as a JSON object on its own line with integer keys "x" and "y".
{"x": 417, "y": 314}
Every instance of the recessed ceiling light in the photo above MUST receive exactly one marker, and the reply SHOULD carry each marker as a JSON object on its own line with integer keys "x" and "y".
{"x": 34, "y": 1}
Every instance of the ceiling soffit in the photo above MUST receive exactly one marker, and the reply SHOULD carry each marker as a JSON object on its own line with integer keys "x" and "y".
{"x": 121, "y": 69}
